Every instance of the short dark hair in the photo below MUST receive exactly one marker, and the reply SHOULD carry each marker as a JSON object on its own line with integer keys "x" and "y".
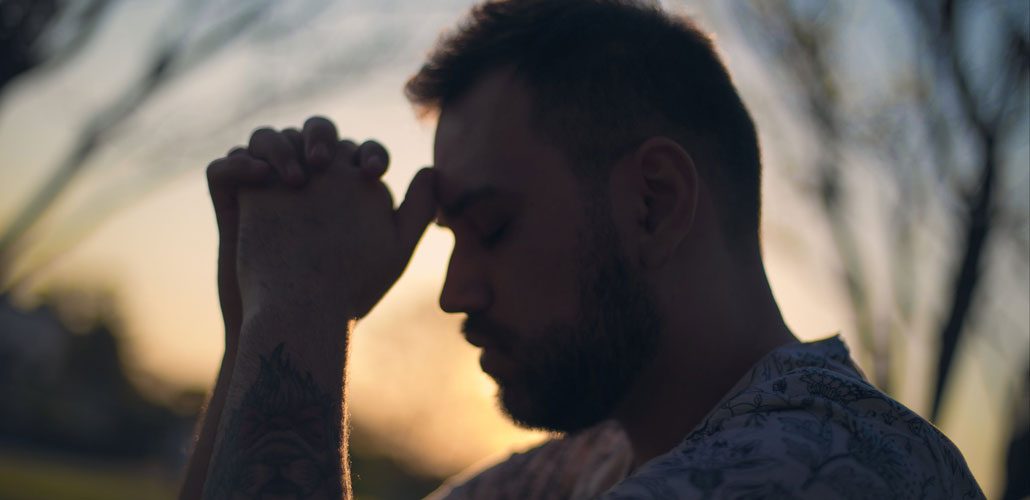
{"x": 605, "y": 75}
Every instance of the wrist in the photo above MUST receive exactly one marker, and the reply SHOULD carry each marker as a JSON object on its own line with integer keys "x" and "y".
{"x": 314, "y": 341}
{"x": 300, "y": 318}
{"x": 232, "y": 338}
{"x": 298, "y": 295}
{"x": 229, "y": 356}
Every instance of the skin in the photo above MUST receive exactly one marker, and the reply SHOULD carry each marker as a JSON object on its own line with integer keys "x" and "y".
{"x": 314, "y": 147}
{"x": 475, "y": 151}
{"x": 314, "y": 252}
{"x": 531, "y": 251}
{"x": 719, "y": 315}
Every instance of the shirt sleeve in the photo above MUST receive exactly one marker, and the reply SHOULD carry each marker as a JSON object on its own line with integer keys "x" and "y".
{"x": 811, "y": 434}
{"x": 578, "y": 466}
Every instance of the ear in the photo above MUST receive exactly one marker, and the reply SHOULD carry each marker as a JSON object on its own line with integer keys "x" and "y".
{"x": 668, "y": 183}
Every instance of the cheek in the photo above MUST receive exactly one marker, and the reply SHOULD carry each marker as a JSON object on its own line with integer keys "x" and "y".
{"x": 536, "y": 274}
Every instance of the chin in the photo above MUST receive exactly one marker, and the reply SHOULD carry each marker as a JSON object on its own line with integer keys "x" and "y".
{"x": 537, "y": 411}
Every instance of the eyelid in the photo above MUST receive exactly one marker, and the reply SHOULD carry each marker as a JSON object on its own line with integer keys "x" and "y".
{"x": 495, "y": 236}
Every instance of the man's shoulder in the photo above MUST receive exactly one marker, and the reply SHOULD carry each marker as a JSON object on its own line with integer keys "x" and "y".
{"x": 807, "y": 430}
{"x": 562, "y": 467}
{"x": 802, "y": 423}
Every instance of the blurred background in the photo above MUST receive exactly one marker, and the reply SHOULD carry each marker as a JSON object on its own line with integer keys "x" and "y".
{"x": 897, "y": 197}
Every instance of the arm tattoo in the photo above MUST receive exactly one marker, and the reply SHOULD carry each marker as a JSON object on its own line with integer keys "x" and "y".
{"x": 282, "y": 441}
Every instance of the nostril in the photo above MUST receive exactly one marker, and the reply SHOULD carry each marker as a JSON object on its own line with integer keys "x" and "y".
{"x": 467, "y": 299}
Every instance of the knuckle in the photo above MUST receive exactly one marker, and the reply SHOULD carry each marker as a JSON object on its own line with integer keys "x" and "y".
{"x": 318, "y": 122}
{"x": 347, "y": 146}
{"x": 237, "y": 162}
{"x": 232, "y": 170}
{"x": 214, "y": 169}
{"x": 372, "y": 149}
{"x": 261, "y": 135}
{"x": 294, "y": 137}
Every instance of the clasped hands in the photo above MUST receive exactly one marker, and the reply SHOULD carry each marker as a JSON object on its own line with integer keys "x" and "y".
{"x": 306, "y": 224}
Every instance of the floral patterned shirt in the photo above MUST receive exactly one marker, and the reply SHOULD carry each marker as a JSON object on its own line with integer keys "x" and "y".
{"x": 802, "y": 423}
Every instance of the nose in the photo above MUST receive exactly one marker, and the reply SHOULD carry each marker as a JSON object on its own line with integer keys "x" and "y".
{"x": 465, "y": 289}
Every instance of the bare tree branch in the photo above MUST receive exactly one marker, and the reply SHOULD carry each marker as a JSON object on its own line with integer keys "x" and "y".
{"x": 164, "y": 67}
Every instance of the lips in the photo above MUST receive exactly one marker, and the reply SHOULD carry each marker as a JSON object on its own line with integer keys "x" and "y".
{"x": 482, "y": 332}
{"x": 494, "y": 364}
{"x": 489, "y": 336}
{"x": 475, "y": 339}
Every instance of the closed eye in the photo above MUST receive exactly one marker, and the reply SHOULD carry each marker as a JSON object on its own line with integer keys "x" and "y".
{"x": 494, "y": 237}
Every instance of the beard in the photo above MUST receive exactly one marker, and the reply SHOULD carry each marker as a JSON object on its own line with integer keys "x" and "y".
{"x": 573, "y": 375}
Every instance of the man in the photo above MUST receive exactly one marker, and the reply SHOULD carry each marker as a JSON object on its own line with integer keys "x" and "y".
{"x": 601, "y": 178}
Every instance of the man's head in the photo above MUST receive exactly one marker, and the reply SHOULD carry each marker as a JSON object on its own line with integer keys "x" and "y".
{"x": 581, "y": 147}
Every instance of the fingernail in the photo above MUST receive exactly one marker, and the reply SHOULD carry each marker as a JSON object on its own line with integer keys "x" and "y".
{"x": 319, "y": 154}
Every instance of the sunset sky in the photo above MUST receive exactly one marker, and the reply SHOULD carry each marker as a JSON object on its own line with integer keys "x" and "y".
{"x": 413, "y": 380}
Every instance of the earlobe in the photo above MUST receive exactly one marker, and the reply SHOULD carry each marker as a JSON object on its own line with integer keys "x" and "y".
{"x": 669, "y": 191}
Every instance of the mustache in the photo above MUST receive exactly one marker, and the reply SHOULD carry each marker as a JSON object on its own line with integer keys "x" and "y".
{"x": 485, "y": 332}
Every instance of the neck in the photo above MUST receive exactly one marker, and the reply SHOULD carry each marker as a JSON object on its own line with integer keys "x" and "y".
{"x": 711, "y": 339}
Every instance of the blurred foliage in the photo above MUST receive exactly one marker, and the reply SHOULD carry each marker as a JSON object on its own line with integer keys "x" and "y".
{"x": 28, "y": 23}
{"x": 47, "y": 36}
{"x": 375, "y": 474}
{"x": 933, "y": 112}
{"x": 928, "y": 100}
{"x": 33, "y": 476}
{"x": 69, "y": 391}
{"x": 73, "y": 423}
{"x": 936, "y": 112}
{"x": 77, "y": 423}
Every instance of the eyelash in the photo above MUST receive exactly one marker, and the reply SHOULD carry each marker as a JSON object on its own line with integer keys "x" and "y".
{"x": 491, "y": 240}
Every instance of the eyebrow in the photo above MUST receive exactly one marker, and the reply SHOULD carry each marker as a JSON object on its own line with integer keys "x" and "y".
{"x": 465, "y": 200}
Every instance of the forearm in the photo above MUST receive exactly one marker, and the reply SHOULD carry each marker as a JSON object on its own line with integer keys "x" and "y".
{"x": 284, "y": 430}
{"x": 207, "y": 426}
{"x": 211, "y": 415}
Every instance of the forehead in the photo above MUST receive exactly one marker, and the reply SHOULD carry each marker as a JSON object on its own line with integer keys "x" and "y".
{"x": 486, "y": 138}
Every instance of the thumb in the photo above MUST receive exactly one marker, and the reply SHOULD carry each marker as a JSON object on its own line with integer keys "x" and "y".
{"x": 417, "y": 209}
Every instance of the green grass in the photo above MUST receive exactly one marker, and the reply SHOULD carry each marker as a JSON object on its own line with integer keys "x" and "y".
{"x": 26, "y": 476}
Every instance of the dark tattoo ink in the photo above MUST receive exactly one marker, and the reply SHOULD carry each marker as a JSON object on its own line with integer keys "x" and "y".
{"x": 282, "y": 441}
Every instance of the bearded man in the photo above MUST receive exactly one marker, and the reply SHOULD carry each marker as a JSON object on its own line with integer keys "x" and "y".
{"x": 601, "y": 177}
